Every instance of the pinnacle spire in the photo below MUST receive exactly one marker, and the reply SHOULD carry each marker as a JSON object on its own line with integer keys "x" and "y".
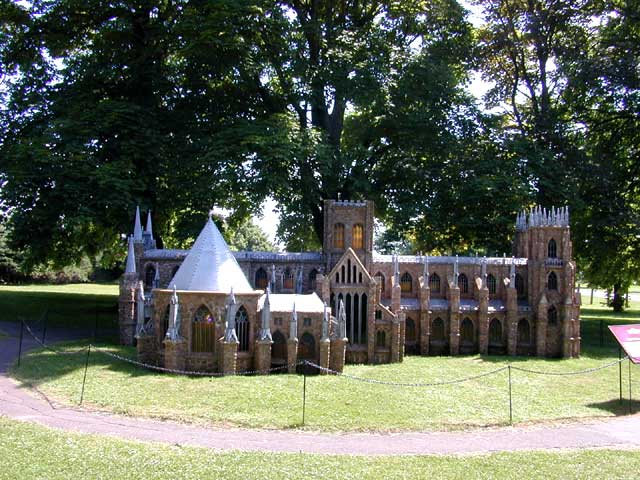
{"x": 149, "y": 228}
{"x": 131, "y": 258}
{"x": 137, "y": 227}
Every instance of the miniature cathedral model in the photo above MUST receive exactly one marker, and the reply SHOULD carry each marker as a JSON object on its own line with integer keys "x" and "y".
{"x": 210, "y": 309}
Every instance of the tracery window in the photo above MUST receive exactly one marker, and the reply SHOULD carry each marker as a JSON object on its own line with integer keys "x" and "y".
{"x": 406, "y": 282}
{"x": 519, "y": 285}
{"x": 338, "y": 235}
{"x": 491, "y": 284}
{"x": 203, "y": 331}
{"x": 552, "y": 281}
{"x": 262, "y": 280}
{"x": 552, "y": 316}
{"x": 358, "y": 236}
{"x": 463, "y": 283}
{"x": 242, "y": 329}
{"x": 434, "y": 283}
{"x": 287, "y": 284}
{"x": 552, "y": 249}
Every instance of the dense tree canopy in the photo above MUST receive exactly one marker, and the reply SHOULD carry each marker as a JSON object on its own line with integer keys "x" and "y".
{"x": 178, "y": 105}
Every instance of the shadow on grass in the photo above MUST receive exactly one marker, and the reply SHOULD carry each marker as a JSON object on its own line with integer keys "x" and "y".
{"x": 617, "y": 407}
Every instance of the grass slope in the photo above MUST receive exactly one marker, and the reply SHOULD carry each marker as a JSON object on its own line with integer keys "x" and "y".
{"x": 31, "y": 451}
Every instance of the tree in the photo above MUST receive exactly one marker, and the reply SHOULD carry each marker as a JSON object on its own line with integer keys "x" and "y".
{"x": 248, "y": 236}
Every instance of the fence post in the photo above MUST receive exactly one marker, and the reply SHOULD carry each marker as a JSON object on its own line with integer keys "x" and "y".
{"x": 629, "y": 360}
{"x": 84, "y": 380}
{"x": 44, "y": 327}
{"x": 510, "y": 402}
{"x": 620, "y": 371}
{"x": 591, "y": 303}
{"x": 20, "y": 344}
{"x": 304, "y": 391}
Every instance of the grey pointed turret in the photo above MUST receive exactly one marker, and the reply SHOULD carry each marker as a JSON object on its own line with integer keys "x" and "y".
{"x": 230, "y": 332}
{"x": 265, "y": 317}
{"x": 131, "y": 258}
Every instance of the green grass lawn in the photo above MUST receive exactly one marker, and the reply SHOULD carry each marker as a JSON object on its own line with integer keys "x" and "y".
{"x": 70, "y": 305}
{"x": 31, "y": 451}
{"x": 338, "y": 403}
{"x": 333, "y": 403}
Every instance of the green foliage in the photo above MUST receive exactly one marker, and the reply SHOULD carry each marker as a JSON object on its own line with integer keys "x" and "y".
{"x": 248, "y": 236}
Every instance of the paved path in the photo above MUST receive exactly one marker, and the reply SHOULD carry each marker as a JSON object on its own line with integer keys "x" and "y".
{"x": 23, "y": 404}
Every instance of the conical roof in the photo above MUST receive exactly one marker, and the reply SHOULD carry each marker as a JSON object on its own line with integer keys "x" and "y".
{"x": 210, "y": 266}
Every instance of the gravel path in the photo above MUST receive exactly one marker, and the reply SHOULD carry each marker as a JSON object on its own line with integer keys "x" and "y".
{"x": 22, "y": 403}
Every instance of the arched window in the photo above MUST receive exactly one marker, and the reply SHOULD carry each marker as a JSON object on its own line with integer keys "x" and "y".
{"x": 552, "y": 316}
{"x": 312, "y": 279}
{"x": 149, "y": 276}
{"x": 279, "y": 347}
{"x": 381, "y": 339}
{"x": 381, "y": 280}
{"x": 434, "y": 283}
{"x": 165, "y": 322}
{"x": 358, "y": 236}
{"x": 519, "y": 285}
{"x": 552, "y": 249}
{"x": 307, "y": 347}
{"x": 287, "y": 283}
{"x": 203, "y": 331}
{"x": 491, "y": 284}
{"x": 524, "y": 332}
{"x": 463, "y": 283}
{"x": 495, "y": 332}
{"x": 338, "y": 235}
{"x": 552, "y": 281}
{"x": 262, "y": 279}
{"x": 242, "y": 329}
{"x": 406, "y": 282}
{"x": 410, "y": 331}
{"x": 437, "y": 329}
{"x": 467, "y": 337}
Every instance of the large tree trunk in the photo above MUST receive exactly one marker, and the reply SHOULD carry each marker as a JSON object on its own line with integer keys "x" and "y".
{"x": 618, "y": 300}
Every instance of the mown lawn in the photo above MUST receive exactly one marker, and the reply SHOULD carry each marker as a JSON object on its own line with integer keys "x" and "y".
{"x": 339, "y": 403}
{"x": 73, "y": 305}
{"x": 31, "y": 451}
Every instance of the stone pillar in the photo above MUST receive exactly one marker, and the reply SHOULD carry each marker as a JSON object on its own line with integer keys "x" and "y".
{"x": 425, "y": 299}
{"x": 147, "y": 349}
{"x": 228, "y": 357}
{"x": 175, "y": 354}
{"x": 512, "y": 320}
{"x": 483, "y": 321}
{"x": 324, "y": 284}
{"x": 292, "y": 354}
{"x": 127, "y": 308}
{"x": 395, "y": 296}
{"x": 262, "y": 356}
{"x": 373, "y": 300}
{"x": 395, "y": 339}
{"x": 403, "y": 323}
{"x": 325, "y": 354}
{"x": 338, "y": 350}
{"x": 454, "y": 318}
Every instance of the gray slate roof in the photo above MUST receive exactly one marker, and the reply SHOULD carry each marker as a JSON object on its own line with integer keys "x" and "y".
{"x": 210, "y": 266}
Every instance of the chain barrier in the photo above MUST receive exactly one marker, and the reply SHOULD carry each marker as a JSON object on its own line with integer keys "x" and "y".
{"x": 191, "y": 372}
{"x": 51, "y": 349}
{"x": 405, "y": 384}
{"x": 577, "y": 372}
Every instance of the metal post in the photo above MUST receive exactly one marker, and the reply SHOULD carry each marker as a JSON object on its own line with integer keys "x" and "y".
{"x": 44, "y": 327}
{"x": 591, "y": 303}
{"x": 629, "y": 360}
{"x": 601, "y": 333}
{"x": 20, "y": 344}
{"x": 620, "y": 370}
{"x": 510, "y": 401}
{"x": 84, "y": 380}
{"x": 304, "y": 391}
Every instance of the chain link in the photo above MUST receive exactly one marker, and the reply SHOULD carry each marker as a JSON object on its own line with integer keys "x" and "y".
{"x": 577, "y": 372}
{"x": 403, "y": 384}
{"x": 51, "y": 349}
{"x": 190, "y": 372}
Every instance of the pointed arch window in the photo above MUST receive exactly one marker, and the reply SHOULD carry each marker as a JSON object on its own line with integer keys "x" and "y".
{"x": 519, "y": 285}
{"x": 434, "y": 283}
{"x": 381, "y": 339}
{"x": 381, "y": 280}
{"x": 552, "y": 249}
{"x": 410, "y": 331}
{"x": 406, "y": 282}
{"x": 279, "y": 347}
{"x": 312, "y": 279}
{"x": 491, "y": 284}
{"x": 437, "y": 329}
{"x": 203, "y": 331}
{"x": 287, "y": 283}
{"x": 358, "y": 236}
{"x": 338, "y": 235}
{"x": 552, "y": 281}
{"x": 262, "y": 280}
{"x": 242, "y": 329}
{"x": 467, "y": 334}
{"x": 524, "y": 332}
{"x": 149, "y": 276}
{"x": 463, "y": 283}
{"x": 495, "y": 332}
{"x": 552, "y": 316}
